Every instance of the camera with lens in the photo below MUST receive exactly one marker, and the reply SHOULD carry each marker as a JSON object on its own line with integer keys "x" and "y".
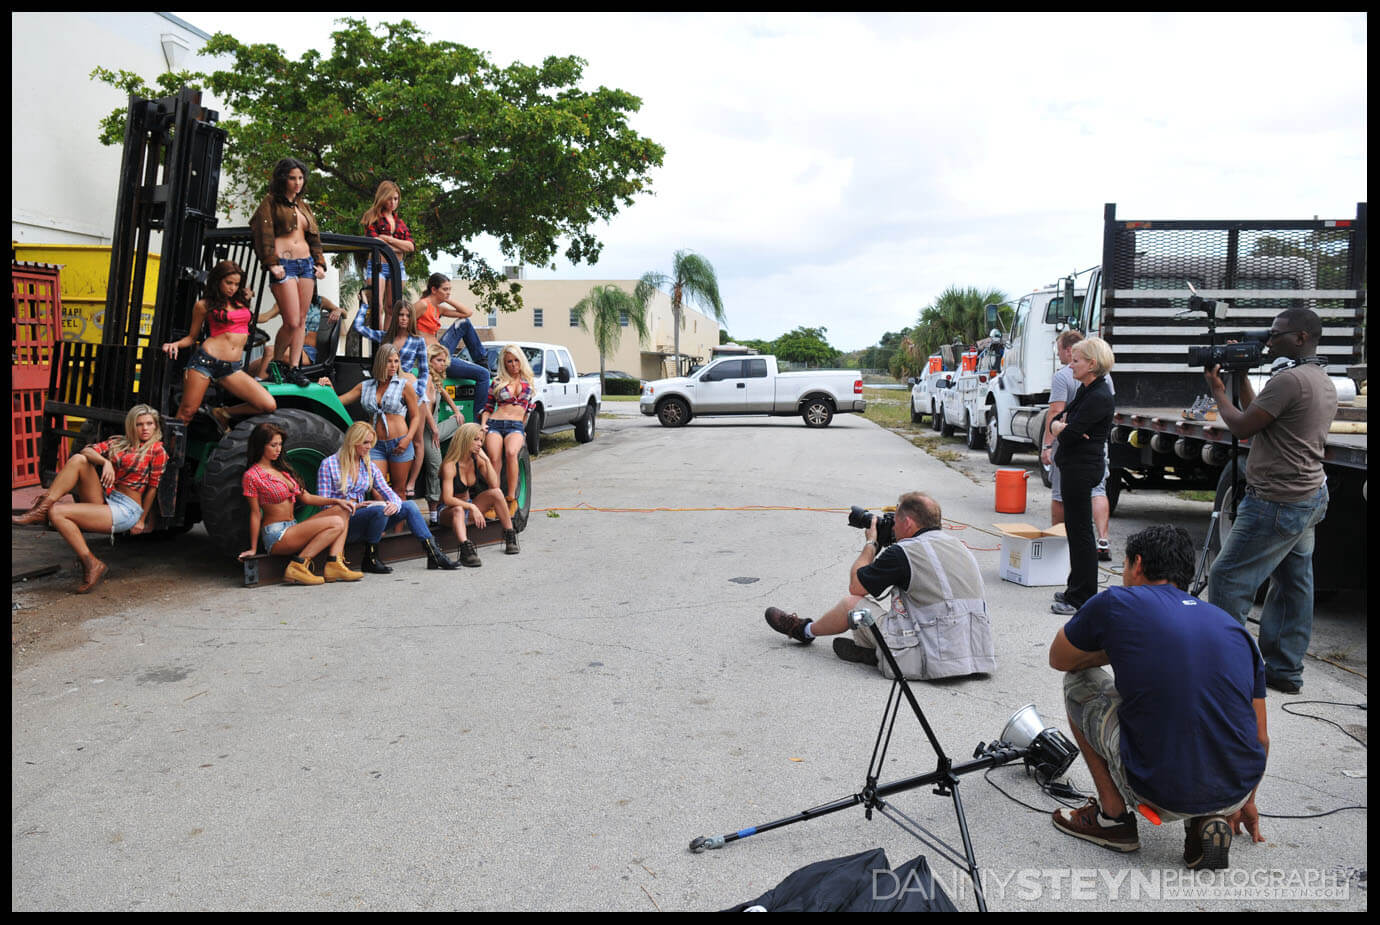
{"x": 1247, "y": 354}
{"x": 886, "y": 524}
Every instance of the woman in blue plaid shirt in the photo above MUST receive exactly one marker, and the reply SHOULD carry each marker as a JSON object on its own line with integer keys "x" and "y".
{"x": 350, "y": 474}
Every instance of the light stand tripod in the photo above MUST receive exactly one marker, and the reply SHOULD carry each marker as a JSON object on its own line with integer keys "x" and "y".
{"x": 944, "y": 776}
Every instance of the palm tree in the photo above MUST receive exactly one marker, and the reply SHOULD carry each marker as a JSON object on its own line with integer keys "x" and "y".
{"x": 604, "y": 311}
{"x": 692, "y": 279}
{"x": 959, "y": 314}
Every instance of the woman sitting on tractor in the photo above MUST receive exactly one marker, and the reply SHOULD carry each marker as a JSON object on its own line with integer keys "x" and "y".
{"x": 272, "y": 489}
{"x": 221, "y": 356}
{"x": 469, "y": 486}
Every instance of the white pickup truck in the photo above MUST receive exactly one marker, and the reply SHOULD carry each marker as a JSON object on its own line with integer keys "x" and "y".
{"x": 564, "y": 399}
{"x": 753, "y": 385}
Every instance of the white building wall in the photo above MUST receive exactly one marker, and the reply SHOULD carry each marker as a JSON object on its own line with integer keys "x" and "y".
{"x": 63, "y": 180}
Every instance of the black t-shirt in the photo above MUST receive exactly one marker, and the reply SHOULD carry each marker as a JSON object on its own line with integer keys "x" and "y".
{"x": 891, "y": 569}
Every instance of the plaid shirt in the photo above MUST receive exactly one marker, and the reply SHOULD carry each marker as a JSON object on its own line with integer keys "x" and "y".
{"x": 129, "y": 472}
{"x": 380, "y": 226}
{"x": 412, "y": 354}
{"x": 328, "y": 481}
{"x": 503, "y": 395}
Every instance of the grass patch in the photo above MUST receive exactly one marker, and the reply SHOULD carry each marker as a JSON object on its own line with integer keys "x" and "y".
{"x": 556, "y": 443}
{"x": 890, "y": 408}
{"x": 622, "y": 398}
{"x": 1191, "y": 495}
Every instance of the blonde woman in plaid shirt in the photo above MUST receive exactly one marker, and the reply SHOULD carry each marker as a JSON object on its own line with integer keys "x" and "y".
{"x": 114, "y": 482}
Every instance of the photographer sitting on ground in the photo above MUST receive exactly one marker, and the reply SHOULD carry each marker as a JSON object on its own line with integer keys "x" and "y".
{"x": 1182, "y": 727}
{"x": 937, "y": 626}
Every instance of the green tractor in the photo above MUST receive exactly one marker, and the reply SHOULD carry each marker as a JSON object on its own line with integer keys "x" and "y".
{"x": 169, "y": 180}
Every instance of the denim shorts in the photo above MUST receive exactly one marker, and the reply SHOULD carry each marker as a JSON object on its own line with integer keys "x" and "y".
{"x": 125, "y": 512}
{"x": 310, "y": 351}
{"x": 383, "y": 450}
{"x": 273, "y": 532}
{"x": 208, "y": 366}
{"x": 295, "y": 268}
{"x": 382, "y": 270}
{"x": 505, "y": 427}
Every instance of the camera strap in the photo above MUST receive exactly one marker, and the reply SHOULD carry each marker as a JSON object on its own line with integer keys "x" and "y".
{"x": 1282, "y": 363}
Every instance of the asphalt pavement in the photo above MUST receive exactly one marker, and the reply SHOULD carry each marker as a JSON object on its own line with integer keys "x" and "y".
{"x": 550, "y": 731}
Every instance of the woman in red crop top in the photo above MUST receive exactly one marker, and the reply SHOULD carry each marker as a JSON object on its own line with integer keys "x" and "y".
{"x": 221, "y": 356}
{"x": 272, "y": 488}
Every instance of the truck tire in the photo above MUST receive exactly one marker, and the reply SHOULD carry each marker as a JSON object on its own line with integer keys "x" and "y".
{"x": 817, "y": 412}
{"x": 936, "y": 416}
{"x": 533, "y": 434}
{"x": 673, "y": 412}
{"x": 310, "y": 439}
{"x": 945, "y": 428}
{"x": 976, "y": 436}
{"x": 584, "y": 428}
{"x": 915, "y": 414}
{"x": 998, "y": 450}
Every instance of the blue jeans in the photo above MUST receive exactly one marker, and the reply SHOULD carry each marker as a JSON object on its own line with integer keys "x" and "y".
{"x": 1274, "y": 540}
{"x": 368, "y": 523}
{"x": 459, "y": 369}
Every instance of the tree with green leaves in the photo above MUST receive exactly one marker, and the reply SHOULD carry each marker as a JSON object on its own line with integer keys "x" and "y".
{"x": 805, "y": 345}
{"x": 958, "y": 315}
{"x": 692, "y": 280}
{"x": 521, "y": 152}
{"x": 604, "y": 312}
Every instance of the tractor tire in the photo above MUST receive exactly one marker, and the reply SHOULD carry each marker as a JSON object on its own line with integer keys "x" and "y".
{"x": 534, "y": 423}
{"x": 310, "y": 439}
{"x": 524, "y": 489}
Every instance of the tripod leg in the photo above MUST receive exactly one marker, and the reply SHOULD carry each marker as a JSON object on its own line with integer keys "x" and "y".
{"x": 1200, "y": 579}
{"x": 968, "y": 848}
{"x": 705, "y": 842}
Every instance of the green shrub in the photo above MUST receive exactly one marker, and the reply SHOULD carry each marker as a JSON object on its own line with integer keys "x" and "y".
{"x": 623, "y": 387}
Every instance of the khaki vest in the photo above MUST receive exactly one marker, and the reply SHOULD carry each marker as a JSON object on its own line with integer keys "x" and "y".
{"x": 938, "y": 625}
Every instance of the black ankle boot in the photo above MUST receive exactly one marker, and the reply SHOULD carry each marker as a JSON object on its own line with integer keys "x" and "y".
{"x": 469, "y": 556}
{"x": 435, "y": 558}
{"x": 510, "y": 543}
{"x": 372, "y": 563}
{"x": 295, "y": 376}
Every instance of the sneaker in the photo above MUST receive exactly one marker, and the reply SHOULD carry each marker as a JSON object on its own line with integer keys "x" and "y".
{"x": 1207, "y": 841}
{"x": 1282, "y": 684}
{"x": 1104, "y": 550}
{"x": 1058, "y": 597}
{"x": 1063, "y": 608}
{"x": 788, "y": 624}
{"x": 850, "y": 651}
{"x": 1088, "y": 823}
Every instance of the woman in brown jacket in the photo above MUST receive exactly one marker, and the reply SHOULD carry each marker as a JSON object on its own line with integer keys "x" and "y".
{"x": 288, "y": 243}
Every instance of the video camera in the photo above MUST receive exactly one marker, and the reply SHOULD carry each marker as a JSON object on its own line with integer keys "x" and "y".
{"x": 1247, "y": 354}
{"x": 886, "y": 524}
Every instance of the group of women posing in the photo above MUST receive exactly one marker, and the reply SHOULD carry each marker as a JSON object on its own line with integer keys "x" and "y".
{"x": 116, "y": 481}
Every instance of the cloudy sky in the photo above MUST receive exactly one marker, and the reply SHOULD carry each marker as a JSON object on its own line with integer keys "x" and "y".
{"x": 842, "y": 170}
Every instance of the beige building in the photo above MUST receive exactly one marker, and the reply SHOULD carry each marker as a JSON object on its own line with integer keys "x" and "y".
{"x": 546, "y": 317}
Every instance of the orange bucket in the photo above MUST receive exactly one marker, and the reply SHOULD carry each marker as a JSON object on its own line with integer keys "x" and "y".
{"x": 936, "y": 363}
{"x": 970, "y": 361}
{"x": 1011, "y": 490}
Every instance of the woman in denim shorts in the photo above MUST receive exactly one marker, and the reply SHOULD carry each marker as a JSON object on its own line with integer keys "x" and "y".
{"x": 114, "y": 481}
{"x": 220, "y": 357}
{"x": 504, "y": 420}
{"x": 390, "y": 400}
{"x": 288, "y": 242}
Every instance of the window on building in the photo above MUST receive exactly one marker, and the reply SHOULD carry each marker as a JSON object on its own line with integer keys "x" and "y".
{"x": 574, "y": 318}
{"x": 536, "y": 317}
{"x": 622, "y": 319}
{"x": 493, "y": 319}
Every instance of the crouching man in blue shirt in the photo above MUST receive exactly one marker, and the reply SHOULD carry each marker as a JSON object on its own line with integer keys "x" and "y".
{"x": 1181, "y": 728}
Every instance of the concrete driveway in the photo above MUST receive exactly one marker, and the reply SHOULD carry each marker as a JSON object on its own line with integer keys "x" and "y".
{"x": 551, "y": 731}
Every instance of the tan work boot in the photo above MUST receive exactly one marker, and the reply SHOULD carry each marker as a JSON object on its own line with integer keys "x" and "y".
{"x": 338, "y": 569}
{"x": 299, "y": 572}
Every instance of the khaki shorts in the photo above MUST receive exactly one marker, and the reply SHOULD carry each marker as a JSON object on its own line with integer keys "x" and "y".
{"x": 1092, "y": 700}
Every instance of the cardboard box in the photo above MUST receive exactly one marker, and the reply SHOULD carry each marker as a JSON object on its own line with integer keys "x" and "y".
{"x": 1032, "y": 556}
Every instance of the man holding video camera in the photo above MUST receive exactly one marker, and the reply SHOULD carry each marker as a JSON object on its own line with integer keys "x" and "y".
{"x": 937, "y": 626}
{"x": 1285, "y": 497}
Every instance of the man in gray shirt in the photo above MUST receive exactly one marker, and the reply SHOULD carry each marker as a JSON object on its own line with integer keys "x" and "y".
{"x": 1061, "y": 390}
{"x": 1285, "y": 498}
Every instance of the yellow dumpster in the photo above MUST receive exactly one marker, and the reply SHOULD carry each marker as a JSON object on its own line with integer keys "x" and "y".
{"x": 85, "y": 272}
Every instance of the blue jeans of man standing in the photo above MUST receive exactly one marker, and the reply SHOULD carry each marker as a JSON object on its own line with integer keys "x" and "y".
{"x": 1274, "y": 540}
{"x": 367, "y": 524}
{"x": 459, "y": 369}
